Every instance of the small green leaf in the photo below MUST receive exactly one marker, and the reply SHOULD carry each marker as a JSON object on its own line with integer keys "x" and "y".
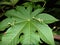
{"x": 37, "y": 0}
{"x": 14, "y": 1}
{"x": 27, "y": 4}
{"x": 11, "y": 2}
{"x": 6, "y": 3}
{"x": 47, "y": 18}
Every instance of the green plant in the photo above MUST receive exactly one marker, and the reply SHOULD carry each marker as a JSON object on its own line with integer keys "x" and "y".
{"x": 36, "y": 0}
{"x": 6, "y": 4}
{"x": 27, "y": 26}
{"x": 9, "y": 2}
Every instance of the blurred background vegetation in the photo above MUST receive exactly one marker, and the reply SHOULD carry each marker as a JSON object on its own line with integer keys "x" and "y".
{"x": 51, "y": 6}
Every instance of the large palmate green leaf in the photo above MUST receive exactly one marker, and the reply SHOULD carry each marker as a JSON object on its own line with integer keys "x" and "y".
{"x": 27, "y": 26}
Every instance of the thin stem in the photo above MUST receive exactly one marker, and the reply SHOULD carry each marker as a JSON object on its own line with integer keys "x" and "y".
{"x": 44, "y": 3}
